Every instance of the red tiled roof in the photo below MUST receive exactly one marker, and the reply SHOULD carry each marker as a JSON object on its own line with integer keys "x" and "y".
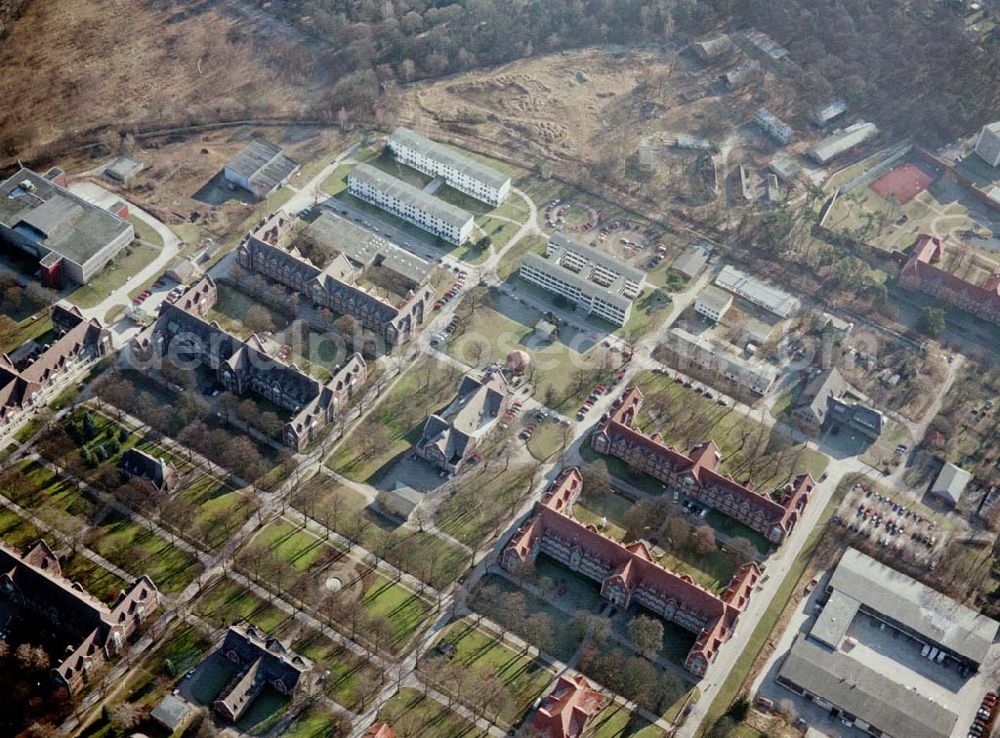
{"x": 380, "y": 730}
{"x": 700, "y": 463}
{"x": 920, "y": 269}
{"x": 565, "y": 712}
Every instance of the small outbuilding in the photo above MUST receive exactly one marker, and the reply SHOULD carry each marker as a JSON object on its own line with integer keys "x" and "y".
{"x": 546, "y": 331}
{"x": 950, "y": 483}
{"x": 172, "y": 713}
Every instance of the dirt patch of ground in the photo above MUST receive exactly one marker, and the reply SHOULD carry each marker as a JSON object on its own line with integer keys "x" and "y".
{"x": 84, "y": 63}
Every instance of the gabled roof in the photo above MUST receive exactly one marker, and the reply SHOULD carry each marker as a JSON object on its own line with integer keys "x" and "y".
{"x": 264, "y": 165}
{"x": 568, "y": 708}
{"x": 449, "y": 157}
{"x": 471, "y": 413}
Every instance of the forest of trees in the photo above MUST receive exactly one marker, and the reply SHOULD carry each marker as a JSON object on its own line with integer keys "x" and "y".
{"x": 913, "y": 65}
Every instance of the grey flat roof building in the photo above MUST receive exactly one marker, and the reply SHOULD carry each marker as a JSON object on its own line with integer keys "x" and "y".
{"x": 758, "y": 292}
{"x": 449, "y": 156}
{"x": 950, "y": 483}
{"x": 407, "y": 193}
{"x": 862, "y": 693}
{"x": 561, "y": 241}
{"x": 363, "y": 247}
{"x": 841, "y": 142}
{"x": 902, "y": 600}
{"x": 692, "y": 260}
{"x": 41, "y": 218}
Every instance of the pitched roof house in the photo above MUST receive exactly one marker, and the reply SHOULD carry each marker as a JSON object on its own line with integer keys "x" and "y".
{"x": 695, "y": 473}
{"x": 568, "y": 708}
{"x": 380, "y": 730}
{"x": 920, "y": 273}
{"x": 450, "y": 437}
{"x": 156, "y": 471}
{"x": 627, "y": 573}
{"x": 263, "y": 660}
{"x": 35, "y": 582}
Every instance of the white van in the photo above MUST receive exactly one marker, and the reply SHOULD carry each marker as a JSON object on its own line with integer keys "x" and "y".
{"x": 933, "y": 654}
{"x": 925, "y": 650}
{"x": 940, "y": 657}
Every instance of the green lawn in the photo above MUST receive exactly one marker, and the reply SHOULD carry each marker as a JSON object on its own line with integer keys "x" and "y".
{"x": 315, "y": 722}
{"x": 231, "y": 307}
{"x": 97, "y": 580}
{"x": 144, "y": 231}
{"x": 524, "y": 677}
{"x": 117, "y": 272}
{"x": 511, "y": 261}
{"x": 350, "y": 678}
{"x": 17, "y": 532}
{"x": 300, "y": 548}
{"x": 614, "y": 721}
{"x": 484, "y": 501}
{"x": 31, "y": 328}
{"x": 337, "y": 181}
{"x": 686, "y": 418}
{"x": 184, "y": 648}
{"x": 404, "y": 610}
{"x": 547, "y": 440}
{"x": 426, "y": 387}
{"x": 222, "y": 510}
{"x": 424, "y": 555}
{"x": 56, "y": 500}
{"x": 226, "y": 602}
{"x": 139, "y": 551}
{"x": 418, "y": 715}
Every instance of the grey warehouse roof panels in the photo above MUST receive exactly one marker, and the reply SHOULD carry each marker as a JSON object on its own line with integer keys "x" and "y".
{"x": 864, "y": 693}
{"x": 364, "y": 247}
{"x": 447, "y": 155}
{"x": 927, "y": 612}
{"x": 397, "y": 188}
{"x": 264, "y": 165}
{"x": 53, "y": 216}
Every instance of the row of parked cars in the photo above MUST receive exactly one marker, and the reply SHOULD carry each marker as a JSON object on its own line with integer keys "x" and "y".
{"x": 460, "y": 276}
{"x": 983, "y": 722}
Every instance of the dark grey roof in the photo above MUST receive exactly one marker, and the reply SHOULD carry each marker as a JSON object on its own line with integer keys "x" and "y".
{"x": 171, "y": 712}
{"x": 137, "y": 463}
{"x": 812, "y": 401}
{"x": 277, "y": 660}
{"x": 434, "y": 206}
{"x": 449, "y": 156}
{"x": 864, "y": 693}
{"x": 473, "y": 410}
{"x": 264, "y": 164}
{"x": 931, "y": 614}
{"x": 857, "y": 414}
{"x": 53, "y": 216}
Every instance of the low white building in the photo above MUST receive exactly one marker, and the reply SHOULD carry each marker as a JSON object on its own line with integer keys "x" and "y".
{"x": 988, "y": 145}
{"x": 774, "y": 126}
{"x": 756, "y": 376}
{"x": 405, "y": 201}
{"x": 713, "y": 303}
{"x": 758, "y": 292}
{"x": 463, "y": 173}
{"x": 841, "y": 142}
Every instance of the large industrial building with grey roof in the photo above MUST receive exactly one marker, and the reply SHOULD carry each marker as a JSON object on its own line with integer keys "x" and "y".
{"x": 260, "y": 168}
{"x": 462, "y": 172}
{"x": 73, "y": 239}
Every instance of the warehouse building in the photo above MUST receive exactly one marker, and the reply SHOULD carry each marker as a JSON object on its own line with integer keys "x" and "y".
{"x": 756, "y": 376}
{"x": 988, "y": 145}
{"x": 260, "y": 168}
{"x": 862, "y": 584}
{"x": 72, "y": 238}
{"x": 463, "y": 173}
{"x": 586, "y": 277}
{"x": 841, "y": 142}
{"x": 862, "y": 697}
{"x": 405, "y": 201}
{"x": 757, "y": 292}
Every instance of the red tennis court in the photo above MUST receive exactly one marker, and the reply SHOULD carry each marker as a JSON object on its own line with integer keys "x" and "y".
{"x": 905, "y": 182}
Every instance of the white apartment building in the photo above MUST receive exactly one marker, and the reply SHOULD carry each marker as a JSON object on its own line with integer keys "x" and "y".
{"x": 774, "y": 126}
{"x": 755, "y": 376}
{"x": 713, "y": 303}
{"x": 988, "y": 145}
{"x": 403, "y": 200}
{"x": 759, "y": 293}
{"x": 466, "y": 175}
{"x": 586, "y": 277}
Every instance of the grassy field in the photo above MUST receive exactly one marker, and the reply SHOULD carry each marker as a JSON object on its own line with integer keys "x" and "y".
{"x": 232, "y": 306}
{"x": 221, "y": 509}
{"x": 139, "y": 551}
{"x": 425, "y": 388}
{"x": 511, "y": 261}
{"x": 129, "y": 263}
{"x": 226, "y": 602}
{"x": 350, "y": 679}
{"x": 422, "y": 554}
{"x": 615, "y": 721}
{"x": 410, "y": 711}
{"x": 32, "y": 328}
{"x": 547, "y": 440}
{"x": 524, "y": 678}
{"x": 483, "y": 502}
{"x": 17, "y": 532}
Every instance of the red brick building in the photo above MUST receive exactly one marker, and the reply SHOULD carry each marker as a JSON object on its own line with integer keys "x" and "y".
{"x": 568, "y": 708}
{"x": 628, "y": 573}
{"x": 380, "y": 730}
{"x": 920, "y": 273}
{"x": 695, "y": 474}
